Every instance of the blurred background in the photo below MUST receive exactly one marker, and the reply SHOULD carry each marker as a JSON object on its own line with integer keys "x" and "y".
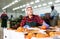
{"x": 16, "y": 7}
{"x": 15, "y": 10}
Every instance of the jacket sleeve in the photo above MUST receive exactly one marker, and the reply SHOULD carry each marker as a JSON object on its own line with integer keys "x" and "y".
{"x": 23, "y": 22}
{"x": 39, "y": 20}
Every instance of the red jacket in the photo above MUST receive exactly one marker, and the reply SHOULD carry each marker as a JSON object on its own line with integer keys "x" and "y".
{"x": 36, "y": 18}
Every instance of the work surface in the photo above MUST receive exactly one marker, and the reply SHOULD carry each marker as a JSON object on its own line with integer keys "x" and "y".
{"x": 11, "y": 34}
{"x": 1, "y": 31}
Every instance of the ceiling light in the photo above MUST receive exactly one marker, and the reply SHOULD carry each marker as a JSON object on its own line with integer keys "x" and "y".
{"x": 39, "y": 5}
{"x": 32, "y": 3}
{"x": 16, "y": 8}
{"x": 35, "y": 6}
{"x": 10, "y": 4}
{"x": 13, "y": 9}
{"x": 23, "y": 9}
{"x": 50, "y": 3}
{"x": 23, "y": 5}
{"x": 42, "y": 0}
{"x": 57, "y": 1}
{"x": 37, "y": 1}
{"x": 44, "y": 4}
{"x": 27, "y": 4}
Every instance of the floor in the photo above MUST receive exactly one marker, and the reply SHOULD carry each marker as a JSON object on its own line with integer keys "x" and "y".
{"x": 1, "y": 33}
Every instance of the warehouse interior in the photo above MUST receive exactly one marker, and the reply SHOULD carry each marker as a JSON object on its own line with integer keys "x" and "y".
{"x": 17, "y": 9}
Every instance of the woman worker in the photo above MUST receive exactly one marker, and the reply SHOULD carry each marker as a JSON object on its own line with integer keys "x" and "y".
{"x": 31, "y": 20}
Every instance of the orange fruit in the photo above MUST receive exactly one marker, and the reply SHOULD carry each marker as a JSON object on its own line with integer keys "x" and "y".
{"x": 29, "y": 36}
{"x": 40, "y": 35}
{"x": 43, "y": 27}
{"x": 26, "y": 30}
{"x": 52, "y": 34}
{"x": 58, "y": 33}
{"x": 34, "y": 35}
{"x": 20, "y": 29}
{"x": 46, "y": 35}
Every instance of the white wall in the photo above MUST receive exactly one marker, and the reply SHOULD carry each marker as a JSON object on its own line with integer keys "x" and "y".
{"x": 45, "y": 10}
{"x": 41, "y": 10}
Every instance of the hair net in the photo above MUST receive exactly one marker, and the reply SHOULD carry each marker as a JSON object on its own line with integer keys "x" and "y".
{"x": 26, "y": 8}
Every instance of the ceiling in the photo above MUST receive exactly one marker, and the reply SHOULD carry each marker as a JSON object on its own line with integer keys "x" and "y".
{"x": 22, "y": 2}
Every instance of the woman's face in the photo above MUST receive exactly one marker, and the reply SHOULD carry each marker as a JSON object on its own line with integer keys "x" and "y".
{"x": 29, "y": 11}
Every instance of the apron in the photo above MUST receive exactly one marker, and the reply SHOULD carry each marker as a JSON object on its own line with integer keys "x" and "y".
{"x": 31, "y": 24}
{"x": 4, "y": 24}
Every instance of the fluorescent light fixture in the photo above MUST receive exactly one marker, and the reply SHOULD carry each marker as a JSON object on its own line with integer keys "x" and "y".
{"x": 27, "y": 4}
{"x": 10, "y": 4}
{"x": 57, "y": 1}
{"x": 23, "y": 5}
{"x": 14, "y": 9}
{"x": 44, "y": 4}
{"x": 37, "y": 1}
{"x": 31, "y": 2}
{"x": 42, "y": 0}
{"x": 39, "y": 5}
{"x": 23, "y": 9}
{"x": 35, "y": 6}
{"x": 17, "y": 8}
{"x": 50, "y": 3}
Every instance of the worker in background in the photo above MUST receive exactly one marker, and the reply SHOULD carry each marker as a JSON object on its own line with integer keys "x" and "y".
{"x": 20, "y": 18}
{"x": 31, "y": 20}
{"x": 11, "y": 19}
{"x": 4, "y": 19}
{"x": 54, "y": 16}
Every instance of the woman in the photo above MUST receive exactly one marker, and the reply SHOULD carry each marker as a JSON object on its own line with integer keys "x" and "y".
{"x": 31, "y": 20}
{"x": 4, "y": 19}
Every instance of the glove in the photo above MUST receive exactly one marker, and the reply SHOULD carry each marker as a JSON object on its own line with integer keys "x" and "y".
{"x": 26, "y": 26}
